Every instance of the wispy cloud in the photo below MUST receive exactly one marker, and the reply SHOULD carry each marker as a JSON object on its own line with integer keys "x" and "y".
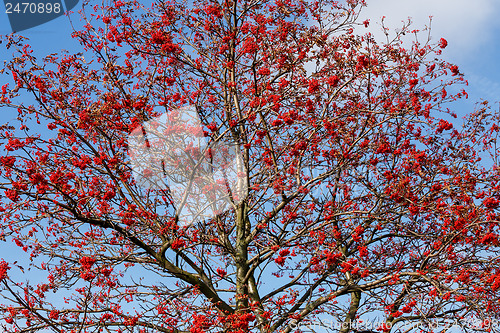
{"x": 470, "y": 27}
{"x": 467, "y": 25}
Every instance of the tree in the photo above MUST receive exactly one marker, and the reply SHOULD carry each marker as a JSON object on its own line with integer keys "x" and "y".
{"x": 363, "y": 198}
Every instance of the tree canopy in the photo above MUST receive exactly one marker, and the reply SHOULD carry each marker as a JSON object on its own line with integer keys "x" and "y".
{"x": 364, "y": 198}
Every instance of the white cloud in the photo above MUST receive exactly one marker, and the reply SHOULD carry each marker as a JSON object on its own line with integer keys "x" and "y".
{"x": 467, "y": 25}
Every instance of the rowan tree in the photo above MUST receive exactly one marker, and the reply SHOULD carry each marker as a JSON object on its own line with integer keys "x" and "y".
{"x": 364, "y": 198}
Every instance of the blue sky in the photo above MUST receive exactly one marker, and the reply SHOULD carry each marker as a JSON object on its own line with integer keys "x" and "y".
{"x": 472, "y": 32}
{"x": 472, "y": 29}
